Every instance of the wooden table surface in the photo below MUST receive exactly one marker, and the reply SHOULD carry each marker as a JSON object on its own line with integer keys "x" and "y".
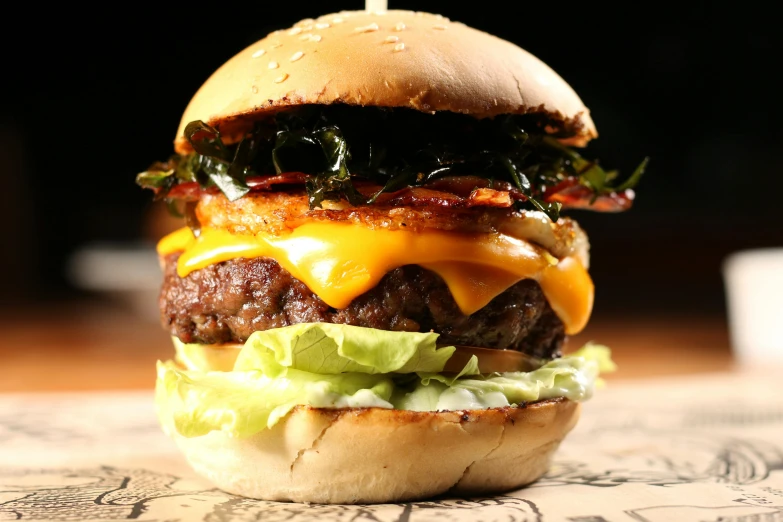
{"x": 99, "y": 345}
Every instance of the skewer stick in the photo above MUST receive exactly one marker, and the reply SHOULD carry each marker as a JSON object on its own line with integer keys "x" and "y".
{"x": 375, "y": 6}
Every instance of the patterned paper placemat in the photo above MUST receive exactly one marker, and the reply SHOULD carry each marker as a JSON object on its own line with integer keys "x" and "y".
{"x": 694, "y": 449}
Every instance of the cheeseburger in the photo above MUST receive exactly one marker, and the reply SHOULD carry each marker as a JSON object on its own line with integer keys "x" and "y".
{"x": 375, "y": 281}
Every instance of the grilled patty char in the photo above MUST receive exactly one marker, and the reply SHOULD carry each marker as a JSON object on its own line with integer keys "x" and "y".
{"x": 228, "y": 301}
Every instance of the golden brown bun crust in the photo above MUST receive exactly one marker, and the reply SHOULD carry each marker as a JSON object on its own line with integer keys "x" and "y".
{"x": 392, "y": 59}
{"x": 374, "y": 455}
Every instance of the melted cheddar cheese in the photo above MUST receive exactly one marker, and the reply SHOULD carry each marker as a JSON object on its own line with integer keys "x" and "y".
{"x": 340, "y": 261}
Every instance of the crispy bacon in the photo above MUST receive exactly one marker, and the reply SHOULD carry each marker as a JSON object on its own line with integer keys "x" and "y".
{"x": 460, "y": 185}
{"x": 573, "y": 195}
{"x": 191, "y": 191}
{"x": 447, "y": 192}
{"x": 487, "y": 197}
{"x": 188, "y": 191}
{"x": 465, "y": 185}
{"x": 450, "y": 192}
{"x": 427, "y": 197}
{"x": 570, "y": 193}
{"x": 420, "y": 197}
{"x": 286, "y": 178}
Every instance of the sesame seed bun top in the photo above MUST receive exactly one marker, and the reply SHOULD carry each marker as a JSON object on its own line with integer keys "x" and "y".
{"x": 406, "y": 59}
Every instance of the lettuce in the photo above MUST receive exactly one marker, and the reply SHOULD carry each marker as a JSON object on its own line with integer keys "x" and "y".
{"x": 242, "y": 403}
{"x": 327, "y": 348}
{"x": 574, "y": 376}
{"x": 336, "y": 366}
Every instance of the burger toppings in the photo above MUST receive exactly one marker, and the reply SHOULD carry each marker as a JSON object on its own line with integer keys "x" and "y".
{"x": 337, "y": 366}
{"x": 340, "y": 262}
{"x": 223, "y": 357}
{"x": 227, "y": 302}
{"x": 370, "y": 155}
{"x": 278, "y": 213}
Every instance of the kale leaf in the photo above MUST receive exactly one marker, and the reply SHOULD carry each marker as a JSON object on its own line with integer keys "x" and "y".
{"x": 389, "y": 148}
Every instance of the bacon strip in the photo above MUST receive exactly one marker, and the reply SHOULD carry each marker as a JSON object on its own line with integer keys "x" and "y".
{"x": 447, "y": 192}
{"x": 191, "y": 191}
{"x": 573, "y": 195}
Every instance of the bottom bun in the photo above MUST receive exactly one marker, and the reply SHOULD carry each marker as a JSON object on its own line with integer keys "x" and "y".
{"x": 375, "y": 455}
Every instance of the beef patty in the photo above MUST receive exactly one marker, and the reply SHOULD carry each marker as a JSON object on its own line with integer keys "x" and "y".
{"x": 228, "y": 301}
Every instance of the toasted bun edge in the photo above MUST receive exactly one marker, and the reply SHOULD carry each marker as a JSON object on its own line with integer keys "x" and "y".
{"x": 375, "y": 455}
{"x": 397, "y": 58}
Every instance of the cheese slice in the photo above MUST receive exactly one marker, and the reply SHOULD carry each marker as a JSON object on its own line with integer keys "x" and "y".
{"x": 341, "y": 261}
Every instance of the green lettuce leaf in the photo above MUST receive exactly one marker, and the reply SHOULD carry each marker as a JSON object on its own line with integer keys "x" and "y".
{"x": 574, "y": 376}
{"x": 332, "y": 349}
{"x": 242, "y": 403}
{"x": 471, "y": 368}
{"x": 245, "y": 401}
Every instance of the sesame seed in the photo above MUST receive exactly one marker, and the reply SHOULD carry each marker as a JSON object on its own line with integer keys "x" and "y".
{"x": 367, "y": 28}
{"x": 254, "y": 89}
{"x": 294, "y": 31}
{"x": 273, "y": 65}
{"x": 322, "y": 25}
{"x": 308, "y": 27}
{"x": 296, "y": 56}
{"x": 276, "y": 45}
{"x": 399, "y": 27}
{"x": 281, "y": 79}
{"x": 316, "y": 38}
{"x": 337, "y": 20}
{"x": 391, "y": 39}
{"x": 306, "y": 21}
{"x": 399, "y": 47}
{"x": 439, "y": 26}
{"x": 259, "y": 53}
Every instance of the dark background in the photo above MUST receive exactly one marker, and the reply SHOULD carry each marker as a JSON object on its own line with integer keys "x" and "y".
{"x": 92, "y": 98}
